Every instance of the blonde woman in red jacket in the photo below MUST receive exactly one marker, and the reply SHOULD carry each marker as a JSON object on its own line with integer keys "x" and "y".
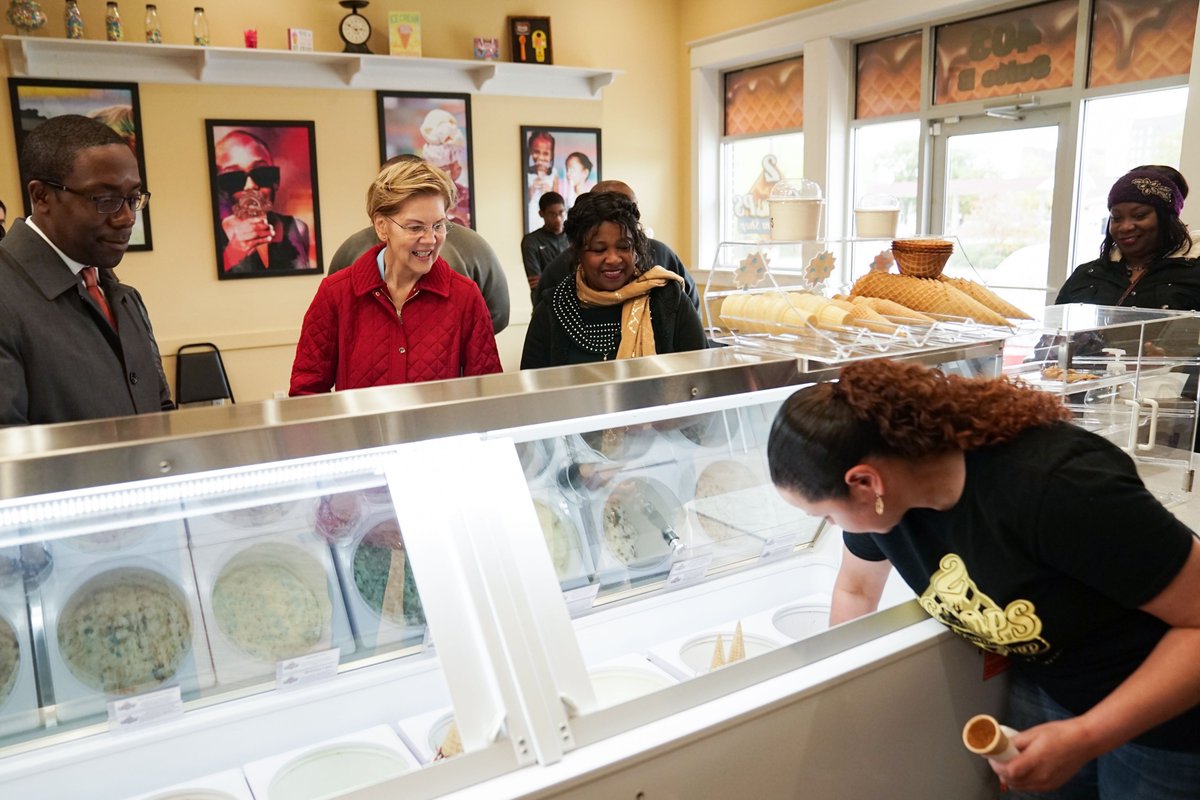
{"x": 399, "y": 314}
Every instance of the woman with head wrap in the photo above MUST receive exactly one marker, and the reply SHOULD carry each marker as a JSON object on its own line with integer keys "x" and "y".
{"x": 1146, "y": 259}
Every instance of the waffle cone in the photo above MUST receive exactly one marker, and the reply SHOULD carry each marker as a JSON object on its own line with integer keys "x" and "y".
{"x": 718, "y": 656}
{"x": 979, "y": 292}
{"x": 393, "y": 591}
{"x": 925, "y": 294}
{"x": 452, "y": 744}
{"x": 737, "y": 650}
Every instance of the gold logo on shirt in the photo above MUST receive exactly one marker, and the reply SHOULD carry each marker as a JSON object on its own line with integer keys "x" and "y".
{"x": 953, "y": 599}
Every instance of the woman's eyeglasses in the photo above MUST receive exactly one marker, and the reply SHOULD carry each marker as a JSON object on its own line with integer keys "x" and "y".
{"x": 235, "y": 180}
{"x": 106, "y": 204}
{"x": 416, "y": 230}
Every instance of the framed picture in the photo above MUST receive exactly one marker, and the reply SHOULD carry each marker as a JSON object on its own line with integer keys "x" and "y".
{"x": 563, "y": 160}
{"x": 116, "y": 104}
{"x": 266, "y": 214}
{"x": 529, "y": 40}
{"x": 436, "y": 127}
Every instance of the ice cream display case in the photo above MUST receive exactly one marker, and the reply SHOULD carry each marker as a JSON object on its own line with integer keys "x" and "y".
{"x": 1128, "y": 374}
{"x": 422, "y": 590}
{"x": 832, "y": 301}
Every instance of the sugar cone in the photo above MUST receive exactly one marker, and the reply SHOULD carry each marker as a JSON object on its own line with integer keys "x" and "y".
{"x": 925, "y": 294}
{"x": 451, "y": 745}
{"x": 393, "y": 591}
{"x": 737, "y": 650}
{"x": 986, "y": 737}
{"x": 831, "y": 317}
{"x": 866, "y": 317}
{"x": 718, "y": 656}
{"x": 889, "y": 308}
{"x": 732, "y": 309}
{"x": 981, "y": 293}
{"x": 263, "y": 250}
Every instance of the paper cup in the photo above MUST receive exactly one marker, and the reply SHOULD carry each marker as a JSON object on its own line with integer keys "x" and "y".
{"x": 796, "y": 220}
{"x": 876, "y": 223}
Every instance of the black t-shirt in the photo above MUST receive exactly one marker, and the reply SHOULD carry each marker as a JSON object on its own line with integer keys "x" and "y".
{"x": 1053, "y": 545}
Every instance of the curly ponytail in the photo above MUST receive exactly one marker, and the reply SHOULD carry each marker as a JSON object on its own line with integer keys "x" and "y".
{"x": 896, "y": 409}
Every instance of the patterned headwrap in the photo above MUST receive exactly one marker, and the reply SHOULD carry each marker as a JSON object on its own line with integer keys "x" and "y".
{"x": 1145, "y": 186}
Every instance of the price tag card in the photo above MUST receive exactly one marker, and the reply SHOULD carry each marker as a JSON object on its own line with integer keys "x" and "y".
{"x": 687, "y": 571}
{"x": 778, "y": 547}
{"x": 581, "y": 599}
{"x": 131, "y": 713}
{"x": 292, "y": 673}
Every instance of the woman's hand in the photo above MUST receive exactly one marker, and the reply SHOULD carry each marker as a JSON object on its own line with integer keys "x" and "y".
{"x": 1050, "y": 754}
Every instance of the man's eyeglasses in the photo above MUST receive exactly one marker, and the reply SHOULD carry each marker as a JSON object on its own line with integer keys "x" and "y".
{"x": 235, "y": 181}
{"x": 107, "y": 203}
{"x": 417, "y": 230}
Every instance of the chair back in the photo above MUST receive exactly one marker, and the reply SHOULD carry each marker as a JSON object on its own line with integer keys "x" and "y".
{"x": 200, "y": 375}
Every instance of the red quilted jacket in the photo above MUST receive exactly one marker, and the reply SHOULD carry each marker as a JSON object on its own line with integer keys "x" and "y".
{"x": 353, "y": 337}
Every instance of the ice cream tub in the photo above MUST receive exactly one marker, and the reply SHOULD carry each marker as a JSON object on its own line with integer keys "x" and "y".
{"x": 121, "y": 627}
{"x": 332, "y": 767}
{"x": 18, "y": 691}
{"x": 269, "y": 598}
{"x": 382, "y": 601}
{"x": 696, "y": 653}
{"x": 625, "y": 679}
{"x": 227, "y": 785}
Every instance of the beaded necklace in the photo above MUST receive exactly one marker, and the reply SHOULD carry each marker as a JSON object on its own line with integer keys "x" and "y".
{"x": 600, "y": 338}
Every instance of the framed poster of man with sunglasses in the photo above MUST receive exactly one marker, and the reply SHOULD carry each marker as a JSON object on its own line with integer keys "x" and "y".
{"x": 35, "y": 101}
{"x": 266, "y": 215}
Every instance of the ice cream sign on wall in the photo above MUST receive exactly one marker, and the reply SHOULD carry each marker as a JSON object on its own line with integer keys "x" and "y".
{"x": 1026, "y": 50}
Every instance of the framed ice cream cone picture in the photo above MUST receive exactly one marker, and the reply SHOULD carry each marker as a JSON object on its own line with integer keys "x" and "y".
{"x": 266, "y": 216}
{"x": 436, "y": 127}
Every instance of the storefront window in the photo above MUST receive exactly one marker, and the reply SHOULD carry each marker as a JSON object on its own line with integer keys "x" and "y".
{"x": 764, "y": 108}
{"x": 888, "y": 79}
{"x": 1133, "y": 40}
{"x": 1025, "y": 50}
{"x": 886, "y": 162}
{"x": 1120, "y": 133}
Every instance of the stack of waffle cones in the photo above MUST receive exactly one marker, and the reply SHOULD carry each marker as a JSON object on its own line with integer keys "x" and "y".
{"x": 927, "y": 295}
{"x": 921, "y": 258}
{"x": 451, "y": 745}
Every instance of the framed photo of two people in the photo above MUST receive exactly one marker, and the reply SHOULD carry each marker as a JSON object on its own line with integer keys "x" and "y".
{"x": 266, "y": 218}
{"x": 36, "y": 100}
{"x": 563, "y": 160}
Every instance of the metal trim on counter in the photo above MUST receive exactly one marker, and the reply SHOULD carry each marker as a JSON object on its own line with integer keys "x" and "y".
{"x": 41, "y": 459}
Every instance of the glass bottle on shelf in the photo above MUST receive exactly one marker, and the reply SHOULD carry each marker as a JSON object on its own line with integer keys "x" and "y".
{"x": 73, "y": 18}
{"x": 153, "y": 29}
{"x": 199, "y": 28}
{"x": 112, "y": 24}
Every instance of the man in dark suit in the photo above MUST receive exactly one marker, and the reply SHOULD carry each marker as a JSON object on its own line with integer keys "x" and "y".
{"x": 74, "y": 342}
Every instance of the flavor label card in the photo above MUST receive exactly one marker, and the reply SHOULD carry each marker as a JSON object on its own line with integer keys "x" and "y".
{"x": 292, "y": 673}
{"x": 132, "y": 713}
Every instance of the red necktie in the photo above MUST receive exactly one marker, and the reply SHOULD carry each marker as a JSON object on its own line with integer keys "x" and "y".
{"x": 92, "y": 282}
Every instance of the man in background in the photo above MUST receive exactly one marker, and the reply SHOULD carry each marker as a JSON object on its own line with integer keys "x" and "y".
{"x": 75, "y": 343}
{"x": 465, "y": 251}
{"x": 660, "y": 255}
{"x": 254, "y": 236}
{"x": 541, "y": 247}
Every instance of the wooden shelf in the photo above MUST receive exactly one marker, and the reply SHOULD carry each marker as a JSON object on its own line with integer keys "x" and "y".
{"x": 38, "y": 57}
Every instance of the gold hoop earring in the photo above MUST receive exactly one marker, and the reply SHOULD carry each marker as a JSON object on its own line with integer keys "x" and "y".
{"x": 879, "y": 505}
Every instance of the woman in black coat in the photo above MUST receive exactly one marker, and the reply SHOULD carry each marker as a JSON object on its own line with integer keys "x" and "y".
{"x": 1147, "y": 256}
{"x": 617, "y": 304}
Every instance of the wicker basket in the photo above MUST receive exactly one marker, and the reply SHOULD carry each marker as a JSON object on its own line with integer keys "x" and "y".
{"x": 921, "y": 258}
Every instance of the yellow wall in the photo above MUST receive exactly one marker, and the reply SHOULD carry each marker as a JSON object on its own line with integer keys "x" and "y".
{"x": 256, "y": 322}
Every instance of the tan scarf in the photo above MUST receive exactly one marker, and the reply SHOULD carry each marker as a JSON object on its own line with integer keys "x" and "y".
{"x": 637, "y": 334}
